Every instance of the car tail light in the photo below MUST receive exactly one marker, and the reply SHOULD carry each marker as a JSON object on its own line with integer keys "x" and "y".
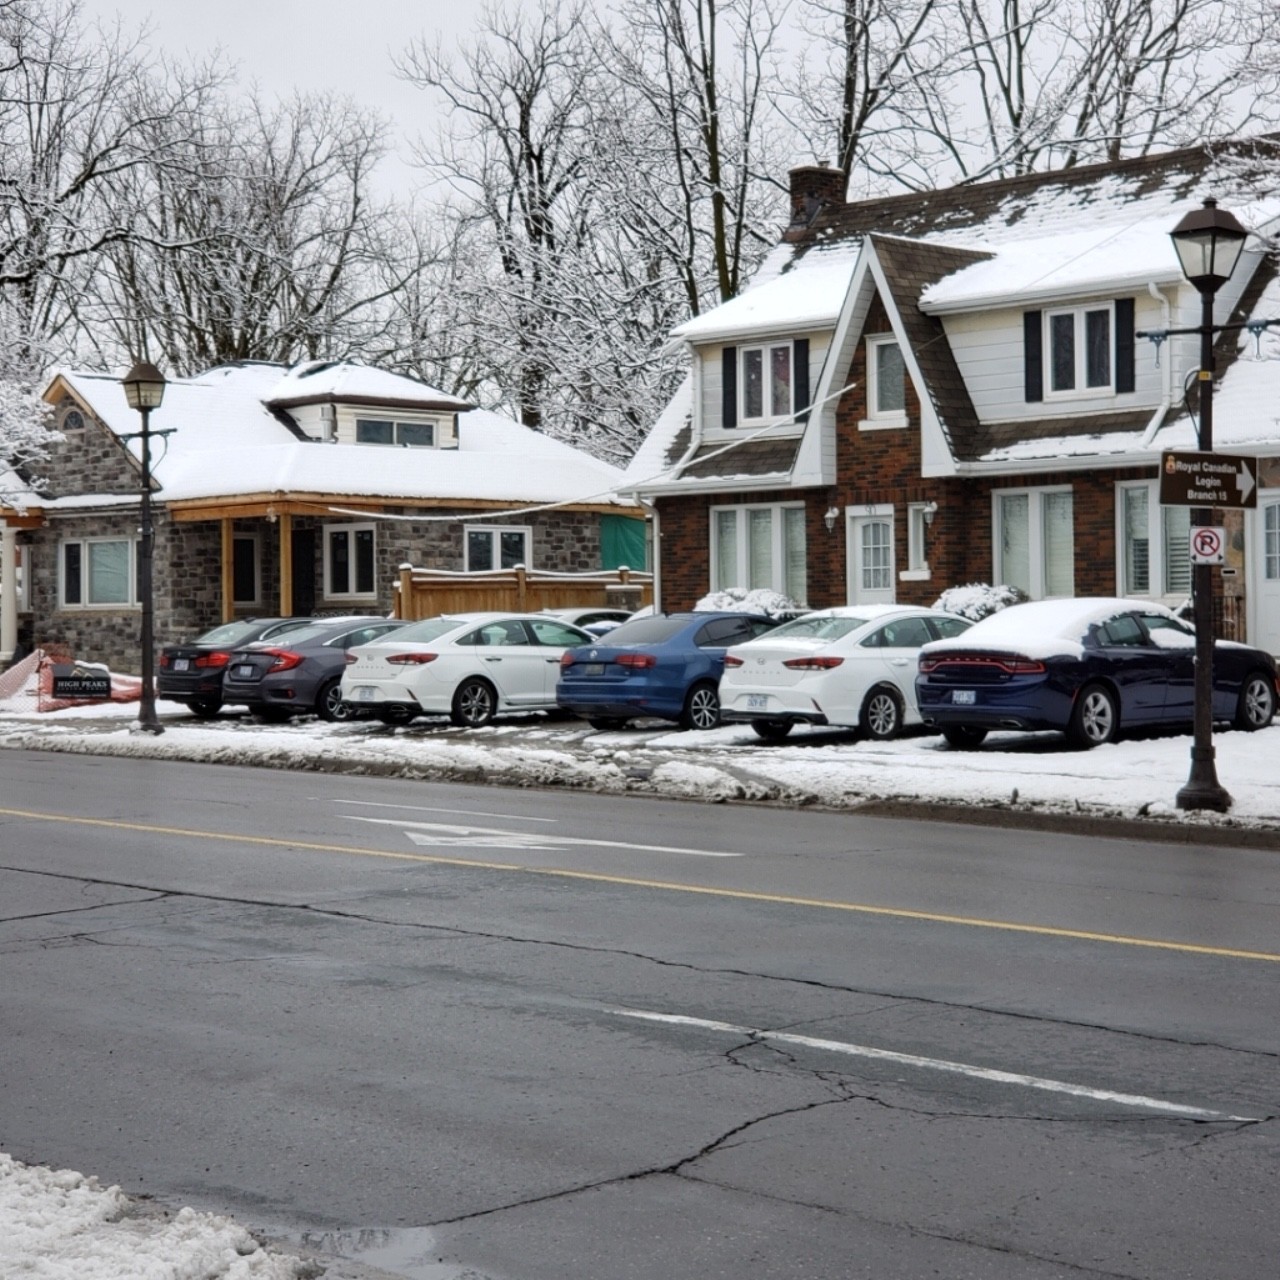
{"x": 1014, "y": 665}
{"x": 731, "y": 661}
{"x": 219, "y": 658}
{"x": 411, "y": 659}
{"x": 638, "y": 660}
{"x": 283, "y": 659}
{"x": 812, "y": 664}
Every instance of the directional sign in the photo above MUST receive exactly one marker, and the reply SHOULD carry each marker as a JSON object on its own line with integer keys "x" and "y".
{"x": 1208, "y": 545}
{"x": 1208, "y": 480}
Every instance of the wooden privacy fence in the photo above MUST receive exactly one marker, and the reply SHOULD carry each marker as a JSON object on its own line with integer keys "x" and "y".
{"x": 424, "y": 593}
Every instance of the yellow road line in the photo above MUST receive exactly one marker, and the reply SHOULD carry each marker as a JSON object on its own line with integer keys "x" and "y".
{"x": 598, "y": 877}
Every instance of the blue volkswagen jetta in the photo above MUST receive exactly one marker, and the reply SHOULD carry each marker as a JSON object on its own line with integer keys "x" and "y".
{"x": 666, "y": 665}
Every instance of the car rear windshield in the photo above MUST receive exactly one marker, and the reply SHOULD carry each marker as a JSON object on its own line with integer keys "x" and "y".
{"x": 230, "y": 633}
{"x": 427, "y": 630}
{"x": 827, "y": 628}
{"x": 651, "y": 630}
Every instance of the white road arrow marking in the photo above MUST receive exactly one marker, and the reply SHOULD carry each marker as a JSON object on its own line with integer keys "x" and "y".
{"x": 940, "y": 1064}
{"x": 443, "y": 833}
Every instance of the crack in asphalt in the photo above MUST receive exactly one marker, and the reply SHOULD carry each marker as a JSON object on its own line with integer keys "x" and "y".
{"x": 336, "y": 913}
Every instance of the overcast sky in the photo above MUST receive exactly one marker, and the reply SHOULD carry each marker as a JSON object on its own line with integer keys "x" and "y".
{"x": 341, "y": 46}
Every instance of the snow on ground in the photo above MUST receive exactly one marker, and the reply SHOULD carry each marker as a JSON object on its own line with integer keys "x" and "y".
{"x": 62, "y": 1226}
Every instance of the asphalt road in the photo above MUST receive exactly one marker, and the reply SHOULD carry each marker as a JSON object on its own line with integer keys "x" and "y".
{"x": 522, "y": 1035}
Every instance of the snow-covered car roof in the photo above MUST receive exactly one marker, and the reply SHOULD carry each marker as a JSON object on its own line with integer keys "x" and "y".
{"x": 1044, "y": 628}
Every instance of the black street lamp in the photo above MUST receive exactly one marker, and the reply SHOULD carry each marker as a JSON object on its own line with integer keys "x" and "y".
{"x": 1208, "y": 242}
{"x": 144, "y": 390}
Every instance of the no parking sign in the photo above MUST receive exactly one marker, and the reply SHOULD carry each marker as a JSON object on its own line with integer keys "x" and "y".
{"x": 1208, "y": 545}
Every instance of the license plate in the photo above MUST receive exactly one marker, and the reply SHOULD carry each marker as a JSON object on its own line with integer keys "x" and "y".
{"x": 963, "y": 697}
{"x": 182, "y": 664}
{"x": 593, "y": 668}
{"x": 757, "y": 701}
{"x": 244, "y": 672}
{"x": 363, "y": 693}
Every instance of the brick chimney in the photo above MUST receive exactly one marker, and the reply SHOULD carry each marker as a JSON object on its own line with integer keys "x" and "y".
{"x": 813, "y": 186}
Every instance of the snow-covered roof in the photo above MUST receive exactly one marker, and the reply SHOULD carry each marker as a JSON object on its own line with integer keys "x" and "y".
{"x": 226, "y": 442}
{"x": 326, "y": 379}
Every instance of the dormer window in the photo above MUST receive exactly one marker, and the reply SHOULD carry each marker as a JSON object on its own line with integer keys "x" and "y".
{"x": 765, "y": 383}
{"x": 1079, "y": 345}
{"x": 886, "y": 382}
{"x": 385, "y": 431}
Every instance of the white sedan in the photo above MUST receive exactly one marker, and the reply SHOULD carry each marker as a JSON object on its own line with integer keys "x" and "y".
{"x": 468, "y": 666}
{"x": 854, "y": 665}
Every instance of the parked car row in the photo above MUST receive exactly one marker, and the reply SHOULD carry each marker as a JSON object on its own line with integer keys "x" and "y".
{"x": 1091, "y": 668}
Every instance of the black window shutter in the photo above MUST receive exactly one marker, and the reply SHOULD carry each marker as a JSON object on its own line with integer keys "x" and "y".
{"x": 1124, "y": 344}
{"x": 1033, "y": 355}
{"x": 729, "y": 387}
{"x": 800, "y": 378}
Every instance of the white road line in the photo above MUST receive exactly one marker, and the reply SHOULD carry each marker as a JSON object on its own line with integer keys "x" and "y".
{"x": 496, "y": 838}
{"x": 422, "y": 808}
{"x": 939, "y": 1064}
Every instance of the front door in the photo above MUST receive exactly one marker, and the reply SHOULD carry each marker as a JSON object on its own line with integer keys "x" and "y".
{"x": 871, "y": 578}
{"x": 1264, "y": 583}
{"x": 303, "y": 542}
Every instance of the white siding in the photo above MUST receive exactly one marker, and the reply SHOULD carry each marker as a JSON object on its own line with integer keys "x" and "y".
{"x": 711, "y": 361}
{"x": 988, "y": 348}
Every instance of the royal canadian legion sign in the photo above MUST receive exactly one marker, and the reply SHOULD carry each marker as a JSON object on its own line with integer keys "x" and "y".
{"x": 1208, "y": 480}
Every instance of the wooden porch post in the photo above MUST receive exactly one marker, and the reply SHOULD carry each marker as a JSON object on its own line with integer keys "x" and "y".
{"x": 286, "y": 565}
{"x": 228, "y": 571}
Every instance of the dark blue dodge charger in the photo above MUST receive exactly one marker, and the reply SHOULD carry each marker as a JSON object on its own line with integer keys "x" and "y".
{"x": 1093, "y": 668}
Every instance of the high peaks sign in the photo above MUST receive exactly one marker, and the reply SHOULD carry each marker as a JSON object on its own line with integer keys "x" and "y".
{"x": 1208, "y": 480}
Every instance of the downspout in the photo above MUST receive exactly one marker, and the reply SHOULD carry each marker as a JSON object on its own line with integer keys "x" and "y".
{"x": 652, "y": 509}
{"x": 1166, "y": 399}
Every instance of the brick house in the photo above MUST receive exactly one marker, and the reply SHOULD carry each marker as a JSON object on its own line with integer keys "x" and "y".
{"x": 284, "y": 490}
{"x": 927, "y": 390}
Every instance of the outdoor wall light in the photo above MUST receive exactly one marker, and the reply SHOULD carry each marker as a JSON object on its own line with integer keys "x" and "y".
{"x": 833, "y": 514}
{"x": 930, "y": 510}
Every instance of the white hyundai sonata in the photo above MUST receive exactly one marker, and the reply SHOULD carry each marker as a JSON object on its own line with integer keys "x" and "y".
{"x": 468, "y": 666}
{"x": 853, "y": 665}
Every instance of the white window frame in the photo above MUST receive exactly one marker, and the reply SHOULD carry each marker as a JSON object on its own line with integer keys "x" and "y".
{"x": 766, "y": 350}
{"x": 879, "y": 419}
{"x": 84, "y": 603}
{"x": 919, "y": 515}
{"x": 1080, "y": 391}
{"x": 328, "y": 532}
{"x": 495, "y": 530}
{"x": 396, "y": 424}
{"x": 257, "y": 569}
{"x": 1035, "y": 537}
{"x": 1157, "y": 539}
{"x": 739, "y": 573}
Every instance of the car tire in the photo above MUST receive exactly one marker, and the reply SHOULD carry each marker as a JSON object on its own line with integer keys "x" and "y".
{"x": 772, "y": 730}
{"x": 205, "y": 708}
{"x": 1095, "y": 718}
{"x": 329, "y": 702}
{"x": 882, "y": 713}
{"x": 963, "y": 737}
{"x": 701, "y": 707}
{"x": 1257, "y": 704}
{"x": 606, "y": 722}
{"x": 474, "y": 704}
{"x": 394, "y": 715}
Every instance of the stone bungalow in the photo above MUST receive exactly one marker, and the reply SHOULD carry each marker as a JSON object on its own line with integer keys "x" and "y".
{"x": 285, "y": 490}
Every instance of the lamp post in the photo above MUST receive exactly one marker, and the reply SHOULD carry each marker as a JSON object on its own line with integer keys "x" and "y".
{"x": 1208, "y": 242}
{"x": 144, "y": 390}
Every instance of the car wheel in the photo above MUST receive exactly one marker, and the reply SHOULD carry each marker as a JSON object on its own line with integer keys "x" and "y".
{"x": 701, "y": 707}
{"x": 1095, "y": 719}
{"x": 1257, "y": 702}
{"x": 330, "y": 704}
{"x": 474, "y": 704}
{"x": 205, "y": 708}
{"x": 394, "y": 715}
{"x": 882, "y": 714}
{"x": 964, "y": 737}
{"x": 772, "y": 730}
{"x": 605, "y": 722}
